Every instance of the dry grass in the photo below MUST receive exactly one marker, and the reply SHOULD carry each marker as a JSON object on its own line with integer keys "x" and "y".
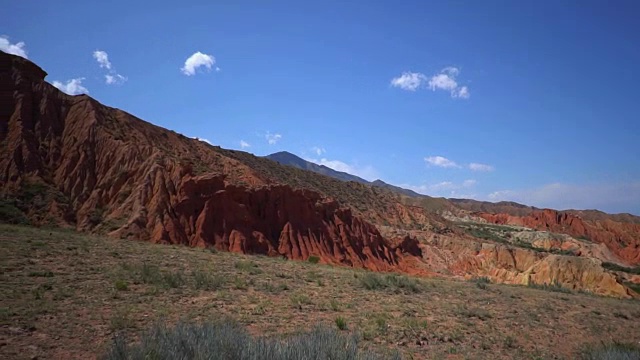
{"x": 66, "y": 295}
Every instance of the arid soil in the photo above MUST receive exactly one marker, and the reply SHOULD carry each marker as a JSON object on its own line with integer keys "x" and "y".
{"x": 65, "y": 295}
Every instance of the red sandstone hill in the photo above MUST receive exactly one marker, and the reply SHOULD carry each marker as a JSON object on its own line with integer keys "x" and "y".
{"x": 71, "y": 161}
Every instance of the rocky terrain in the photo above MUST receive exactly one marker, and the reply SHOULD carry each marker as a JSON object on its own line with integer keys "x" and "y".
{"x": 70, "y": 161}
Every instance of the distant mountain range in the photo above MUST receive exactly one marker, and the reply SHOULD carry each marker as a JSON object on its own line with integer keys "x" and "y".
{"x": 287, "y": 158}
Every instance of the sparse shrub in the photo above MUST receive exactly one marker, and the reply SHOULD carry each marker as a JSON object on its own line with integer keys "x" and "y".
{"x": 482, "y": 282}
{"x": 11, "y": 214}
{"x": 334, "y": 305}
{"x": 121, "y": 285}
{"x": 150, "y": 274}
{"x": 227, "y": 340}
{"x": 372, "y": 281}
{"x": 313, "y": 259}
{"x": 248, "y": 266}
{"x": 240, "y": 283}
{"x": 341, "y": 323}
{"x": 401, "y": 282}
{"x": 555, "y": 286}
{"x": 614, "y": 351}
{"x": 206, "y": 281}
{"x": 397, "y": 283}
{"x": 173, "y": 279}
{"x": 300, "y": 299}
{"x": 509, "y": 342}
{"x": 120, "y": 320}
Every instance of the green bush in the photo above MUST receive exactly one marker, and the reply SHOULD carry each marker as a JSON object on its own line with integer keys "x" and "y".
{"x": 226, "y": 340}
{"x": 121, "y": 285}
{"x": 11, "y": 214}
{"x": 341, "y": 323}
{"x": 313, "y": 259}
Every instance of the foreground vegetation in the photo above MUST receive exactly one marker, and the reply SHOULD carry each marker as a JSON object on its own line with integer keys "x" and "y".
{"x": 69, "y": 295}
{"x": 226, "y": 340}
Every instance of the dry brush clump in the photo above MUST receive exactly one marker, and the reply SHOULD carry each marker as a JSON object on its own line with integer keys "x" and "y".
{"x": 226, "y": 340}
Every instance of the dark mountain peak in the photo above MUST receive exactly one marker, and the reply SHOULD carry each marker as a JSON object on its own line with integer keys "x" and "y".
{"x": 287, "y": 158}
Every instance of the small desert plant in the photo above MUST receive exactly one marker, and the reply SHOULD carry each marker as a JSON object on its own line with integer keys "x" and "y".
{"x": 173, "y": 279}
{"x": 248, "y": 266}
{"x": 396, "y": 283}
{"x": 313, "y": 259}
{"x": 554, "y": 286}
{"x": 121, "y": 285}
{"x": 481, "y": 282}
{"x": 206, "y": 281}
{"x": 341, "y": 323}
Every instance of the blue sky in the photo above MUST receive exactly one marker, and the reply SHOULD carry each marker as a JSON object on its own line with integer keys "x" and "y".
{"x": 531, "y": 101}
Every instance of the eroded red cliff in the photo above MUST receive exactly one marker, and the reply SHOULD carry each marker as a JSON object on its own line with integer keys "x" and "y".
{"x": 623, "y": 239}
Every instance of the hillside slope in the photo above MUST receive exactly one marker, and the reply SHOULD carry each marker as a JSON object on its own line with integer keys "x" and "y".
{"x": 71, "y": 161}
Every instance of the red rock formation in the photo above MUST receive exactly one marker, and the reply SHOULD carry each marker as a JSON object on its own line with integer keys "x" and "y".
{"x": 623, "y": 239}
{"x": 121, "y": 175}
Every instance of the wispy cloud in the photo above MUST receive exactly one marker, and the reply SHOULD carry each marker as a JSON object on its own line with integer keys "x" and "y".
{"x": 116, "y": 79}
{"x": 613, "y": 197}
{"x": 102, "y": 58}
{"x": 19, "y": 48}
{"x": 112, "y": 78}
{"x": 198, "y": 60}
{"x": 71, "y": 87}
{"x": 318, "y": 150}
{"x": 480, "y": 167}
{"x": 244, "y": 144}
{"x": 444, "y": 188}
{"x": 272, "y": 139}
{"x": 441, "y": 161}
{"x": 409, "y": 81}
{"x": 445, "y": 80}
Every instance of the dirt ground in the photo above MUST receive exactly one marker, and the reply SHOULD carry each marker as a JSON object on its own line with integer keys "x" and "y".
{"x": 63, "y": 295}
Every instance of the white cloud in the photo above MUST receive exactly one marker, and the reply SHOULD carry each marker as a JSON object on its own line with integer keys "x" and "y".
{"x": 444, "y": 80}
{"x": 112, "y": 78}
{"x": 480, "y": 167}
{"x": 19, "y": 48}
{"x": 444, "y": 188}
{"x": 272, "y": 139}
{"x": 620, "y": 197}
{"x": 366, "y": 172}
{"x": 463, "y": 92}
{"x": 102, "y": 58}
{"x": 441, "y": 162}
{"x": 71, "y": 87}
{"x": 244, "y": 144}
{"x": 116, "y": 79}
{"x": 196, "y": 61}
{"x": 409, "y": 81}
{"x": 318, "y": 150}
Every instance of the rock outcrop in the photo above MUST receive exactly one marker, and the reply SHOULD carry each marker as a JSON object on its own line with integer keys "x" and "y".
{"x": 623, "y": 239}
{"x": 117, "y": 174}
